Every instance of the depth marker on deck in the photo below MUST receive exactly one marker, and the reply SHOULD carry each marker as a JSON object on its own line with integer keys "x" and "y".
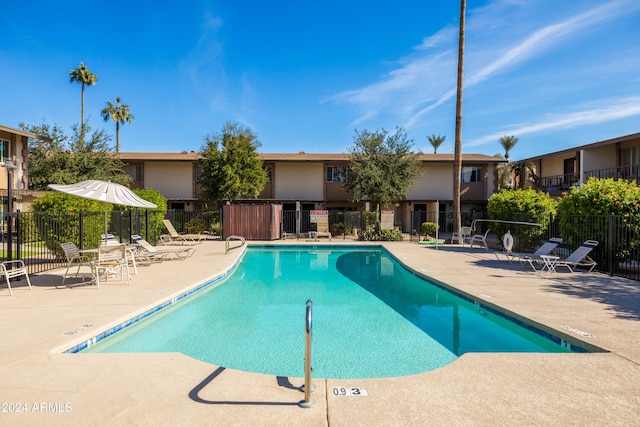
{"x": 349, "y": 391}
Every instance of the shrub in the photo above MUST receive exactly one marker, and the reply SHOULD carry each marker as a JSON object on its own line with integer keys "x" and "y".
{"x": 156, "y": 216}
{"x": 382, "y": 235}
{"x": 522, "y": 205}
{"x": 195, "y": 226}
{"x": 587, "y": 210}
{"x": 429, "y": 228}
{"x": 63, "y": 220}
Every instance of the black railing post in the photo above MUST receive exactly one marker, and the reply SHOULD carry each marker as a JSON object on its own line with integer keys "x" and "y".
{"x": 146, "y": 224}
{"x": 18, "y": 235}
{"x": 611, "y": 243}
{"x": 81, "y": 230}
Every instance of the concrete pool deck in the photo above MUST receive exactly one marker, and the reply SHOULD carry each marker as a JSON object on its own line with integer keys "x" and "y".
{"x": 39, "y": 385}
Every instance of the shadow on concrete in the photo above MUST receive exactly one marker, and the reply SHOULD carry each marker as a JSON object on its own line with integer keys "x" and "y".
{"x": 194, "y": 394}
{"x": 621, "y": 295}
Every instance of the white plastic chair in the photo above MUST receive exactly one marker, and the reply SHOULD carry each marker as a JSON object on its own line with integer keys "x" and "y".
{"x": 480, "y": 238}
{"x": 11, "y": 269}
{"x": 74, "y": 257}
{"x": 112, "y": 261}
{"x": 463, "y": 236}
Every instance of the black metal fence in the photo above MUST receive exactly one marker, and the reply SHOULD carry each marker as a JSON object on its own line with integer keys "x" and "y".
{"x": 36, "y": 236}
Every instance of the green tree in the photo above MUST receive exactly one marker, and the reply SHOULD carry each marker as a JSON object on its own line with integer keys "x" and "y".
{"x": 119, "y": 113}
{"x": 457, "y": 148}
{"x": 508, "y": 142}
{"x": 66, "y": 160}
{"x": 231, "y": 166}
{"x": 382, "y": 167}
{"x": 85, "y": 77}
{"x": 436, "y": 141}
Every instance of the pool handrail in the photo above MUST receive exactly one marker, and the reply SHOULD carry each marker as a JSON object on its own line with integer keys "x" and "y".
{"x": 227, "y": 247}
{"x": 308, "y": 402}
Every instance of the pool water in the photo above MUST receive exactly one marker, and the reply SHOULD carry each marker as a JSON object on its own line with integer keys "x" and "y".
{"x": 372, "y": 318}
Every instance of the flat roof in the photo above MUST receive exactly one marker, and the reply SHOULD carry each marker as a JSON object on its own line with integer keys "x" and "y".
{"x": 300, "y": 157}
{"x": 8, "y": 129}
{"x": 585, "y": 146}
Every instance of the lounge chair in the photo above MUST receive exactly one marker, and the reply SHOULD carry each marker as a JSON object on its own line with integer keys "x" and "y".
{"x": 578, "y": 258}
{"x": 74, "y": 258}
{"x": 11, "y": 269}
{"x": 159, "y": 253}
{"x": 532, "y": 258}
{"x": 109, "y": 239}
{"x": 322, "y": 227}
{"x": 175, "y": 237}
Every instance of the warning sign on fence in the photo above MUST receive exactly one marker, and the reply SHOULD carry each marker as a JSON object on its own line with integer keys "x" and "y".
{"x": 386, "y": 220}
{"x": 315, "y": 215}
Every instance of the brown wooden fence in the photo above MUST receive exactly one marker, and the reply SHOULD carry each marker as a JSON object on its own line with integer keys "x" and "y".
{"x": 253, "y": 222}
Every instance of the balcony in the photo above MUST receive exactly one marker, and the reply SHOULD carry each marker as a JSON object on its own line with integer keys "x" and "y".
{"x": 556, "y": 184}
{"x": 622, "y": 172}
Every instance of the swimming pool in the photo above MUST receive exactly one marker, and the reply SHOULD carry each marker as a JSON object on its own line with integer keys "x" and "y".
{"x": 372, "y": 318}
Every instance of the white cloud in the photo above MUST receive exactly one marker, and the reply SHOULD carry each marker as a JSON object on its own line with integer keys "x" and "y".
{"x": 426, "y": 79}
{"x": 609, "y": 110}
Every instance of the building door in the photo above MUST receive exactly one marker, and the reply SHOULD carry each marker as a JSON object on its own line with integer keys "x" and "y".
{"x": 569, "y": 172}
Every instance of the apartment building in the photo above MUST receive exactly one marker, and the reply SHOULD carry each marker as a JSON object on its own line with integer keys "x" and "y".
{"x": 613, "y": 158}
{"x": 308, "y": 181}
{"x": 14, "y": 162}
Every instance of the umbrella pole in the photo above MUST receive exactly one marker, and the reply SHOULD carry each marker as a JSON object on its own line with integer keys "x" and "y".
{"x": 106, "y": 227}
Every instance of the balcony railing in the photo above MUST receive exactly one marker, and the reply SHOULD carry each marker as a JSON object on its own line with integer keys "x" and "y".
{"x": 557, "y": 182}
{"x": 624, "y": 172}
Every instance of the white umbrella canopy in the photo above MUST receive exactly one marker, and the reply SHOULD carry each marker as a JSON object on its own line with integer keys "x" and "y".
{"x": 104, "y": 191}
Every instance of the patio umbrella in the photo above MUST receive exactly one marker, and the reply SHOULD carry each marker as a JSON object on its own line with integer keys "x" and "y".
{"x": 104, "y": 191}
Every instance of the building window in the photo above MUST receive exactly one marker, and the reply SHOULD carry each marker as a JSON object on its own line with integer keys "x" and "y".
{"x": 134, "y": 171}
{"x": 336, "y": 173}
{"x": 471, "y": 174}
{"x": 199, "y": 172}
{"x": 4, "y": 149}
{"x": 268, "y": 170}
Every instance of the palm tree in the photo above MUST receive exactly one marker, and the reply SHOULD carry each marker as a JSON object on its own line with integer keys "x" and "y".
{"x": 436, "y": 141}
{"x": 508, "y": 142}
{"x": 83, "y": 76}
{"x": 457, "y": 153}
{"x": 119, "y": 113}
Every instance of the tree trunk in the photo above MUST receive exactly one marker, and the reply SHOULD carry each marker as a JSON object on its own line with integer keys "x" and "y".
{"x": 457, "y": 157}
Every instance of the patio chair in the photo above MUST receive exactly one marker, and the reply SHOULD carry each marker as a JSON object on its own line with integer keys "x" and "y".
{"x": 159, "y": 253}
{"x": 545, "y": 249}
{"x": 578, "y": 258}
{"x": 11, "y": 269}
{"x": 175, "y": 237}
{"x": 481, "y": 239}
{"x": 463, "y": 236}
{"x": 74, "y": 258}
{"x": 112, "y": 261}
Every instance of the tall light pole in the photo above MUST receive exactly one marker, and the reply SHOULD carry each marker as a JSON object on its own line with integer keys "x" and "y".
{"x": 10, "y": 167}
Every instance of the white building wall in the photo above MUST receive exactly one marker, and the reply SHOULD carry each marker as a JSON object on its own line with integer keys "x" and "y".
{"x": 173, "y": 179}
{"x": 299, "y": 181}
{"x": 599, "y": 158}
{"x": 436, "y": 183}
{"x": 553, "y": 165}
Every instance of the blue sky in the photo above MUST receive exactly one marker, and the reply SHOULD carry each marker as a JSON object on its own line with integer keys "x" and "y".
{"x": 305, "y": 75}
